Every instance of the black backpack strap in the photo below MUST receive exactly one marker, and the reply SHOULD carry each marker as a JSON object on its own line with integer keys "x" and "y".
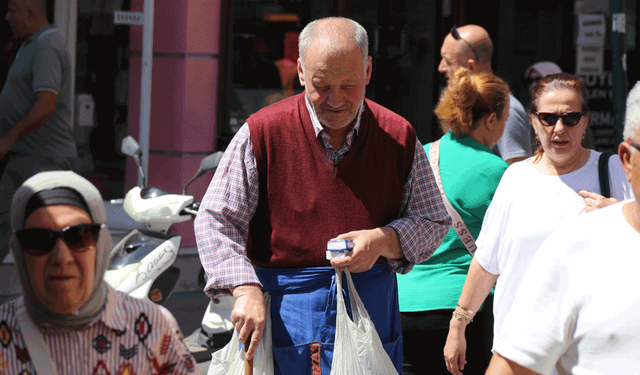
{"x": 603, "y": 173}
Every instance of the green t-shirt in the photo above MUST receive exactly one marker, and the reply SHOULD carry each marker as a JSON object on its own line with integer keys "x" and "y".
{"x": 470, "y": 174}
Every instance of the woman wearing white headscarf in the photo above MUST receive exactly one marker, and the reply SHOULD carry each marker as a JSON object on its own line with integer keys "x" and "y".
{"x": 68, "y": 320}
{"x": 539, "y": 70}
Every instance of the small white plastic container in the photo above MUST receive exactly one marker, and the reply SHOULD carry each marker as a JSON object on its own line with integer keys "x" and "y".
{"x": 338, "y": 248}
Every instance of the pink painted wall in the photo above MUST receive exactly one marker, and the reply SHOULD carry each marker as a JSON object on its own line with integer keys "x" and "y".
{"x": 183, "y": 103}
{"x": 183, "y": 96}
{"x": 182, "y": 26}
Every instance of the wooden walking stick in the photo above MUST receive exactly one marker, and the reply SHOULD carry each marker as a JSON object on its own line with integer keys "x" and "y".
{"x": 248, "y": 363}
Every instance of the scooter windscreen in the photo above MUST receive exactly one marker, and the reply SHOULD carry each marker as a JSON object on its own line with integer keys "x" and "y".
{"x": 133, "y": 249}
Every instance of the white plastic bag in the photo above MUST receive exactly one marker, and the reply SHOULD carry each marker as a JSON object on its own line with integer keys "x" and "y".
{"x": 230, "y": 359}
{"x": 358, "y": 349}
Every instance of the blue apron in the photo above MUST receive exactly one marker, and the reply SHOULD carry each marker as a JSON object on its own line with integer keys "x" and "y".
{"x": 303, "y": 313}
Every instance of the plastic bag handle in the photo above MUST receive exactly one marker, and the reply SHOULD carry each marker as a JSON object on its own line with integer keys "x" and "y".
{"x": 357, "y": 306}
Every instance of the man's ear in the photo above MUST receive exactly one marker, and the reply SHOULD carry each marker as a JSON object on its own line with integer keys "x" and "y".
{"x": 624, "y": 152}
{"x": 472, "y": 65}
{"x": 300, "y": 73}
{"x": 31, "y": 13}
{"x": 368, "y": 70}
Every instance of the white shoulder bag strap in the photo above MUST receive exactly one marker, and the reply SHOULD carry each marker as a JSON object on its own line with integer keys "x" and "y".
{"x": 458, "y": 225}
{"x": 37, "y": 348}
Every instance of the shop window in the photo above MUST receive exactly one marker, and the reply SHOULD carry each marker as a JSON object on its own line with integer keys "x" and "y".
{"x": 101, "y": 87}
{"x": 264, "y": 45}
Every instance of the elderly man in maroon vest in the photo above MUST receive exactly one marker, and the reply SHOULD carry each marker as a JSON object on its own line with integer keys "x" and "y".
{"x": 324, "y": 164}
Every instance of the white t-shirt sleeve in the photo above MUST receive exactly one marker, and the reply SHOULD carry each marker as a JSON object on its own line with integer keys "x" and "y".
{"x": 539, "y": 327}
{"x": 494, "y": 224}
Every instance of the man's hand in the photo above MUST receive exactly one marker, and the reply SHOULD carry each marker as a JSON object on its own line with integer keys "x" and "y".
{"x": 369, "y": 246}
{"x": 249, "y": 316}
{"x": 593, "y": 201}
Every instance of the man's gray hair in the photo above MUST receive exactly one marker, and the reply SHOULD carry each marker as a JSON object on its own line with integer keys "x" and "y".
{"x": 632, "y": 116}
{"x": 316, "y": 30}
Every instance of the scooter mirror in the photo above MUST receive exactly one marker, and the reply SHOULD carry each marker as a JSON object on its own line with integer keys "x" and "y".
{"x": 208, "y": 164}
{"x": 130, "y": 147}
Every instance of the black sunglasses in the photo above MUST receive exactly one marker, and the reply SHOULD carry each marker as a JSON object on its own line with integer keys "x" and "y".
{"x": 568, "y": 119}
{"x": 456, "y": 35}
{"x": 40, "y": 241}
{"x": 529, "y": 80}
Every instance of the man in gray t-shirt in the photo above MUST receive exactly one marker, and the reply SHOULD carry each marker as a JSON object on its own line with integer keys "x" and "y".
{"x": 471, "y": 47}
{"x": 36, "y": 133}
{"x": 515, "y": 143}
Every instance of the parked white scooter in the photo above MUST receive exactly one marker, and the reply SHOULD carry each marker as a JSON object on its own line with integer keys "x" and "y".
{"x": 215, "y": 329}
{"x": 142, "y": 261}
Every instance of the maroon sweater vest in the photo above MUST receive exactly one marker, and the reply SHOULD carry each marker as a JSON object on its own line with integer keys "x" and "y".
{"x": 305, "y": 200}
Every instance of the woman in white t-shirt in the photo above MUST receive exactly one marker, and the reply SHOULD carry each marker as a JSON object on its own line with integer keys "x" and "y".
{"x": 534, "y": 196}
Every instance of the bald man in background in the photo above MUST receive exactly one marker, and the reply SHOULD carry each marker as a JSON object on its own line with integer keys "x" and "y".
{"x": 35, "y": 117}
{"x": 471, "y": 47}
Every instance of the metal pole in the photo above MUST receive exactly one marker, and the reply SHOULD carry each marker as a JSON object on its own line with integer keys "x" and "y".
{"x": 618, "y": 31}
{"x": 65, "y": 18}
{"x": 145, "y": 87}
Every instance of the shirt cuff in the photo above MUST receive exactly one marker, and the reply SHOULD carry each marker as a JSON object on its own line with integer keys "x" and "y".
{"x": 230, "y": 274}
{"x": 407, "y": 245}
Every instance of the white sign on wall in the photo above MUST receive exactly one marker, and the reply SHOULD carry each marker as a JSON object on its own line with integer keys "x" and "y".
{"x": 121, "y": 17}
{"x": 590, "y": 59}
{"x": 591, "y": 29}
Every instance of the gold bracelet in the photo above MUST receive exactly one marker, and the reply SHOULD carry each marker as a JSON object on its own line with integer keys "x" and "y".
{"x": 461, "y": 314}
{"x": 470, "y": 312}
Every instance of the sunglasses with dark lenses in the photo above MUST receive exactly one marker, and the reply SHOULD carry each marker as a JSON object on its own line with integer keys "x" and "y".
{"x": 456, "y": 35}
{"x": 568, "y": 119}
{"x": 40, "y": 241}
{"x": 529, "y": 80}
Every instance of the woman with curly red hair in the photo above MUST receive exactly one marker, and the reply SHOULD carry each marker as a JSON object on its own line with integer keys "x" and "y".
{"x": 472, "y": 111}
